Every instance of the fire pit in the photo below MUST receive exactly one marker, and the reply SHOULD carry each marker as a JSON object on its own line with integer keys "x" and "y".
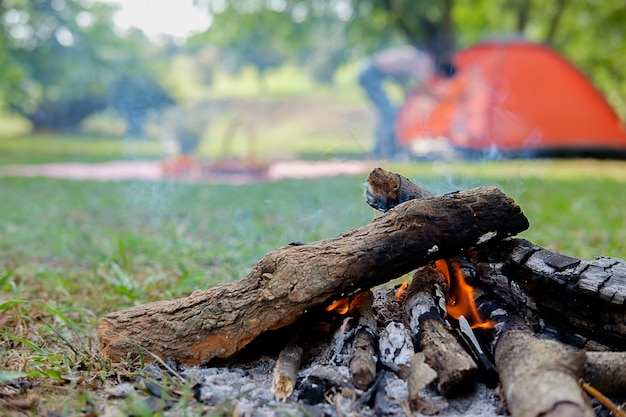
{"x": 488, "y": 323}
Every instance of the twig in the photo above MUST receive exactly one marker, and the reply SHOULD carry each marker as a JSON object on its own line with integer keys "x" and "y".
{"x": 286, "y": 371}
{"x": 616, "y": 410}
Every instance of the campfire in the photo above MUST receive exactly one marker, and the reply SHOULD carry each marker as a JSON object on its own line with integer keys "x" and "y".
{"x": 488, "y": 323}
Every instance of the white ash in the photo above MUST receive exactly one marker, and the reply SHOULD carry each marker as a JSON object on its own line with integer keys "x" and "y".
{"x": 487, "y": 237}
{"x": 323, "y": 386}
{"x": 121, "y": 390}
{"x": 248, "y": 391}
{"x": 396, "y": 348}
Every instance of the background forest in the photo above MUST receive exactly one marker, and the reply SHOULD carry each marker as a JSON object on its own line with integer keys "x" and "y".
{"x": 63, "y": 61}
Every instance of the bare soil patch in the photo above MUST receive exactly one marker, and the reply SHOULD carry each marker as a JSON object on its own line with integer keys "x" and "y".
{"x": 153, "y": 171}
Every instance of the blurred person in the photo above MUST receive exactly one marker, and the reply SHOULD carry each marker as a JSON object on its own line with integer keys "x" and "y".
{"x": 403, "y": 65}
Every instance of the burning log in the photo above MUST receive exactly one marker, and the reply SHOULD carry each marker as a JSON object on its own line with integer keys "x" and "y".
{"x": 363, "y": 357}
{"x": 442, "y": 351}
{"x": 292, "y": 280}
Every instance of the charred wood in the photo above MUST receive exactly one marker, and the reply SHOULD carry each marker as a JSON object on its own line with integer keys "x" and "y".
{"x": 396, "y": 348}
{"x": 363, "y": 358}
{"x": 443, "y": 353}
{"x": 584, "y": 300}
{"x": 291, "y": 280}
{"x": 342, "y": 336}
{"x": 321, "y": 380}
{"x": 485, "y": 365}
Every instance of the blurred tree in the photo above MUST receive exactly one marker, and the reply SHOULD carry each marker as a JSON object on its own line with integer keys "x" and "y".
{"x": 323, "y": 34}
{"x": 60, "y": 58}
{"x": 52, "y": 52}
{"x": 133, "y": 96}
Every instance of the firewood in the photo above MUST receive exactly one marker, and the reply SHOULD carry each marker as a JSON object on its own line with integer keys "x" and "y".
{"x": 384, "y": 190}
{"x": 286, "y": 371}
{"x": 419, "y": 377}
{"x": 574, "y": 296}
{"x": 606, "y": 371}
{"x": 290, "y": 281}
{"x": 453, "y": 365}
{"x": 363, "y": 358}
{"x": 540, "y": 377}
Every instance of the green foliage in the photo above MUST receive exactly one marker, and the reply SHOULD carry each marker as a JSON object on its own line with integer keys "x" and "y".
{"x": 134, "y": 96}
{"x": 53, "y": 48}
{"x": 61, "y": 58}
{"x": 322, "y": 35}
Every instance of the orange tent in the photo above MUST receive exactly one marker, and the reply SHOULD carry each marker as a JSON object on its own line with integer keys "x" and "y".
{"x": 515, "y": 97}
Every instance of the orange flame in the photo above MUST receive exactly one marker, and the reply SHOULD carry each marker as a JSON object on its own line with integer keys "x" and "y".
{"x": 401, "y": 290}
{"x": 341, "y": 306}
{"x": 460, "y": 297}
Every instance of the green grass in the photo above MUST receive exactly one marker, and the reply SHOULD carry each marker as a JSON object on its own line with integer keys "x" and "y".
{"x": 287, "y": 81}
{"x": 71, "y": 251}
{"x": 46, "y": 148}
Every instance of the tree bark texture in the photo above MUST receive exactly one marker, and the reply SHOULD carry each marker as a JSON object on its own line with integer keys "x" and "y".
{"x": 584, "y": 300}
{"x": 291, "y": 280}
{"x": 540, "y": 377}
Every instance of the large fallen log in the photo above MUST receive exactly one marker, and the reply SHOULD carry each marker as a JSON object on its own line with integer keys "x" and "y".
{"x": 291, "y": 280}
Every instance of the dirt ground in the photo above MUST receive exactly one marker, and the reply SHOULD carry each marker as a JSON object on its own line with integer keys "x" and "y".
{"x": 228, "y": 172}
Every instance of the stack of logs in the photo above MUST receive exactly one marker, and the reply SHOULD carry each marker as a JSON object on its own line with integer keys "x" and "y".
{"x": 536, "y": 299}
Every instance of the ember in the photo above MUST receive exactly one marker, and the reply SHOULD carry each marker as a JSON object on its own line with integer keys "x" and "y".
{"x": 401, "y": 290}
